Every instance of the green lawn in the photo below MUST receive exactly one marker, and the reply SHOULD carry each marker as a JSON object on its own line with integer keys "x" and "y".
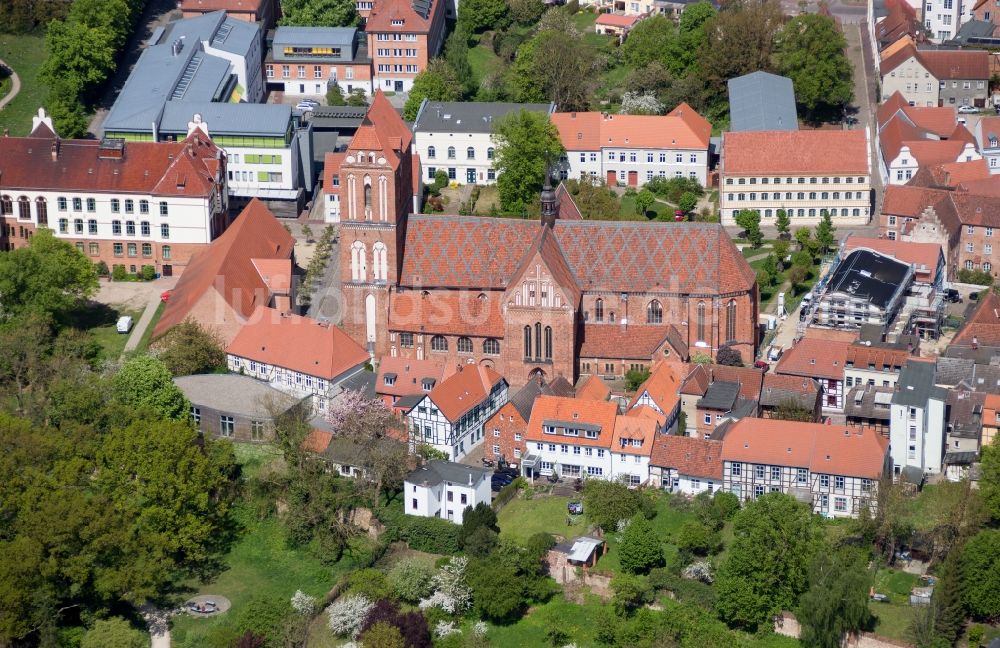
{"x": 659, "y": 208}
{"x": 520, "y": 518}
{"x": 578, "y": 621}
{"x": 112, "y": 342}
{"x": 482, "y": 59}
{"x": 893, "y": 618}
{"x": 147, "y": 336}
{"x": 25, "y": 53}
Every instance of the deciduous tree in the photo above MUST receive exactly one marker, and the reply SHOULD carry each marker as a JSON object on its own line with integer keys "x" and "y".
{"x": 189, "y": 348}
{"x": 48, "y": 276}
{"x": 836, "y": 602}
{"x": 749, "y": 220}
{"x": 525, "y": 143}
{"x": 980, "y": 565}
{"x": 607, "y": 503}
{"x": 740, "y": 40}
{"x": 437, "y": 82}
{"x": 989, "y": 483}
{"x": 570, "y": 84}
{"x": 319, "y": 13}
{"x": 640, "y": 550}
{"x": 144, "y": 384}
{"x": 480, "y": 15}
{"x": 812, "y": 54}
{"x": 113, "y": 633}
{"x": 768, "y": 562}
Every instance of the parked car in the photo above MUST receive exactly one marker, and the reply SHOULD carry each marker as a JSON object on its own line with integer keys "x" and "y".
{"x": 307, "y": 105}
{"x": 967, "y": 110}
{"x": 165, "y": 295}
{"x": 761, "y": 364}
{"x": 507, "y": 470}
{"x": 679, "y": 215}
{"x": 124, "y": 324}
{"x": 974, "y": 296}
{"x": 499, "y": 481}
{"x": 774, "y": 353}
{"x": 575, "y": 508}
{"x": 953, "y": 296}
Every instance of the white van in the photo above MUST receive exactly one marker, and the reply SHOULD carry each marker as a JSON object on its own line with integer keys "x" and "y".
{"x": 124, "y": 324}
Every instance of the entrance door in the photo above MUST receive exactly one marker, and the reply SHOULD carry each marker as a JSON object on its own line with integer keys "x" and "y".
{"x": 399, "y": 86}
{"x": 168, "y": 270}
{"x": 612, "y": 179}
{"x": 302, "y": 88}
{"x": 633, "y": 178}
{"x": 470, "y": 176}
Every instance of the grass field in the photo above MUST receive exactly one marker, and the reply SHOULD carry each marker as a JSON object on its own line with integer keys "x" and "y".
{"x": 577, "y": 621}
{"x": 521, "y": 519}
{"x": 893, "y": 618}
{"x": 25, "y": 53}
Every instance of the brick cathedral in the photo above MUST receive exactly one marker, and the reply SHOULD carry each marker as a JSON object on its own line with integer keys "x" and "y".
{"x": 557, "y": 297}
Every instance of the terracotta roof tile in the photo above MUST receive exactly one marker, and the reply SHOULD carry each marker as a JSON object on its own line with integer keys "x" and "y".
{"x": 750, "y": 379}
{"x": 956, "y": 64}
{"x": 614, "y": 341}
{"x": 780, "y": 389}
{"x": 823, "y": 449}
{"x": 617, "y": 20}
{"x": 331, "y": 171}
{"x": 897, "y": 133}
{"x": 814, "y": 358}
{"x": 385, "y": 11}
{"x": 880, "y": 358}
{"x": 317, "y": 441}
{"x": 629, "y": 429}
{"x": 940, "y": 120}
{"x": 976, "y": 210}
{"x": 983, "y": 324}
{"x": 590, "y": 131}
{"x": 298, "y": 343}
{"x": 662, "y": 386}
{"x": 572, "y": 410}
{"x": 593, "y": 388}
{"x": 911, "y": 201}
{"x": 207, "y": 6}
{"x": 463, "y": 390}
{"x": 410, "y": 374}
{"x": 805, "y": 152}
{"x": 688, "y": 455}
{"x": 615, "y": 256}
{"x": 227, "y": 266}
{"x": 697, "y": 381}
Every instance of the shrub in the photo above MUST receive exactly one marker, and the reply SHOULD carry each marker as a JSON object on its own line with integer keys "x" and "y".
{"x": 640, "y": 549}
{"x": 346, "y": 614}
{"x": 370, "y": 583}
{"x": 102, "y": 269}
{"x": 119, "y": 273}
{"x": 684, "y": 589}
{"x": 978, "y": 277}
{"x": 410, "y": 580}
{"x": 148, "y": 273}
{"x": 631, "y": 592}
{"x": 432, "y": 535}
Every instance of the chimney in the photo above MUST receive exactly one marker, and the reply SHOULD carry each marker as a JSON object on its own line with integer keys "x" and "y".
{"x": 975, "y": 342}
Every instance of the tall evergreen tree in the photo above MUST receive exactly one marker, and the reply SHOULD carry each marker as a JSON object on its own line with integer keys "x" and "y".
{"x": 949, "y": 608}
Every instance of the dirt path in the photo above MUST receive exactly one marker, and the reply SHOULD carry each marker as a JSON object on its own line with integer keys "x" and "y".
{"x": 15, "y": 85}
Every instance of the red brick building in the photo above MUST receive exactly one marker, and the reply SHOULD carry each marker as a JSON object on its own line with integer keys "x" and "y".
{"x": 530, "y": 299}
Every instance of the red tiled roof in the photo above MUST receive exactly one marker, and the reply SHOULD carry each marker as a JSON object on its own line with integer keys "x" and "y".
{"x": 683, "y": 128}
{"x": 823, "y": 449}
{"x": 895, "y": 134}
{"x": 568, "y": 209}
{"x": 814, "y": 358}
{"x": 911, "y": 201}
{"x": 593, "y": 388}
{"x": 331, "y": 170}
{"x": 385, "y": 11}
{"x": 750, "y": 379}
{"x": 647, "y": 412}
{"x": 464, "y": 390}
{"x": 935, "y": 151}
{"x": 805, "y": 152}
{"x": 789, "y": 383}
{"x": 601, "y": 255}
{"x": 697, "y": 381}
{"x": 976, "y": 210}
{"x": 956, "y": 64}
{"x": 617, "y": 20}
{"x": 879, "y": 358}
{"x": 983, "y": 324}
{"x": 688, "y": 455}
{"x": 410, "y": 374}
{"x": 634, "y": 428}
{"x": 298, "y": 343}
{"x": 939, "y": 120}
{"x": 447, "y": 312}
{"x": 184, "y": 169}
{"x": 923, "y": 257}
{"x": 572, "y": 410}
{"x": 662, "y": 386}
{"x": 614, "y": 342}
{"x": 317, "y": 440}
{"x": 227, "y": 266}
{"x": 276, "y": 273}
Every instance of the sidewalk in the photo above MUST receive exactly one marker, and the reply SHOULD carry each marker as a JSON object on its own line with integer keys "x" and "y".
{"x": 15, "y": 85}
{"x": 147, "y": 315}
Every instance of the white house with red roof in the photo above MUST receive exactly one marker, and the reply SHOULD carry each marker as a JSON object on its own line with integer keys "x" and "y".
{"x": 451, "y": 416}
{"x": 297, "y": 355}
{"x": 688, "y": 465}
{"x": 401, "y": 382}
{"x": 804, "y": 172}
{"x": 834, "y": 468}
{"x": 630, "y": 150}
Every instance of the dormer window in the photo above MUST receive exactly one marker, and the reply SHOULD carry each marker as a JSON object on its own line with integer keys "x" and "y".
{"x": 549, "y": 429}
{"x": 397, "y": 22}
{"x": 993, "y": 142}
{"x": 427, "y": 385}
{"x": 591, "y": 434}
{"x": 389, "y": 380}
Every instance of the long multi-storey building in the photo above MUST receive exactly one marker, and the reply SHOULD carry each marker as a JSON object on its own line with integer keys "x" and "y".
{"x": 836, "y": 469}
{"x": 804, "y": 172}
{"x": 631, "y": 150}
{"x": 130, "y": 204}
{"x": 403, "y": 36}
{"x": 310, "y": 60}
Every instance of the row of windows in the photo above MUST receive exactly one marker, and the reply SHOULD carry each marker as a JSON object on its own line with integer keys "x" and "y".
{"x": 94, "y": 249}
{"x": 409, "y": 53}
{"x": 800, "y": 180}
{"x": 588, "y": 451}
{"x": 116, "y": 227}
{"x": 470, "y": 153}
{"x": 24, "y": 208}
{"x": 260, "y": 176}
{"x": 395, "y": 37}
{"x": 470, "y": 174}
{"x": 987, "y": 266}
{"x": 386, "y": 67}
{"x": 654, "y": 315}
{"x": 317, "y": 71}
{"x": 491, "y": 346}
{"x": 801, "y": 195}
{"x": 541, "y": 351}
{"x": 801, "y": 213}
{"x": 987, "y": 249}
{"x": 632, "y": 156}
{"x": 801, "y": 476}
{"x": 227, "y": 425}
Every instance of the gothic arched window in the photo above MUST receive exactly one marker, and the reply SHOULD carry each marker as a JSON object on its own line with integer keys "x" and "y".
{"x": 731, "y": 320}
{"x": 439, "y": 343}
{"x": 464, "y": 345}
{"x": 654, "y": 313}
{"x": 548, "y": 342}
{"x": 599, "y": 310}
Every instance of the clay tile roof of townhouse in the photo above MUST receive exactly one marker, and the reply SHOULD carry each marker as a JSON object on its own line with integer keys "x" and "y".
{"x": 408, "y": 375}
{"x": 826, "y": 449}
{"x": 977, "y": 210}
{"x": 939, "y": 120}
{"x": 896, "y": 133}
{"x": 331, "y": 170}
{"x": 803, "y": 152}
{"x": 688, "y": 455}
{"x": 298, "y": 343}
{"x": 909, "y": 200}
{"x": 862, "y": 357}
{"x": 923, "y": 257}
{"x": 682, "y": 128}
{"x": 384, "y": 12}
{"x": 227, "y": 267}
{"x": 617, "y": 20}
{"x": 943, "y": 64}
{"x": 991, "y": 410}
{"x": 814, "y": 358}
{"x": 983, "y": 324}
{"x": 572, "y": 411}
{"x": 662, "y": 386}
{"x": 778, "y": 390}
{"x": 221, "y": 5}
{"x": 634, "y": 428}
{"x": 463, "y": 390}
{"x": 592, "y": 388}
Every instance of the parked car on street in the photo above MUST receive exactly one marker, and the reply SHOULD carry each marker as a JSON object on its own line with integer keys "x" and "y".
{"x": 307, "y": 105}
{"x": 953, "y": 296}
{"x": 761, "y": 364}
{"x": 967, "y": 110}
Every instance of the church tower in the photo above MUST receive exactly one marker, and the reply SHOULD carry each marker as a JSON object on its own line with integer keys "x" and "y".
{"x": 376, "y": 186}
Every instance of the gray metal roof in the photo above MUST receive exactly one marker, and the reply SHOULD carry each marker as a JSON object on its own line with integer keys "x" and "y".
{"x": 468, "y": 116}
{"x": 951, "y": 371}
{"x": 524, "y": 399}
{"x": 720, "y": 395}
{"x": 436, "y": 471}
{"x": 916, "y": 385}
{"x": 762, "y": 101}
{"x": 234, "y": 394}
{"x": 176, "y": 67}
{"x": 315, "y": 36}
{"x": 228, "y": 118}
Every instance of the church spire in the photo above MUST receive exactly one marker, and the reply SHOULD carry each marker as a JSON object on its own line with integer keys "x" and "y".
{"x": 550, "y": 204}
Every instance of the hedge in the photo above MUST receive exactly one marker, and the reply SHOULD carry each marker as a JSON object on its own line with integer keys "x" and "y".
{"x": 432, "y": 535}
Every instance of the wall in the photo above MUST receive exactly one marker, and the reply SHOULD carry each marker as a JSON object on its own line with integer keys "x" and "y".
{"x": 847, "y": 202}
{"x": 913, "y": 81}
{"x": 458, "y": 167}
